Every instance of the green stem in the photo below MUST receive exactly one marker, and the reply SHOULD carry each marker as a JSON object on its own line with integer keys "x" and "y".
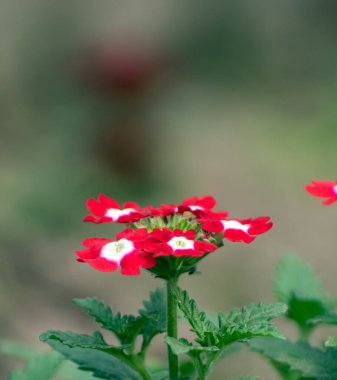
{"x": 172, "y": 329}
{"x": 138, "y": 365}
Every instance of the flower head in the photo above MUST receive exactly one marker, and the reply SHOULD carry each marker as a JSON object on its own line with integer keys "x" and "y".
{"x": 168, "y": 240}
{"x": 323, "y": 189}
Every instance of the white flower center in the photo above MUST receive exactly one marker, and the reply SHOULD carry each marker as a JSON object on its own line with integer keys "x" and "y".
{"x": 114, "y": 213}
{"x": 334, "y": 189}
{"x": 180, "y": 243}
{"x": 234, "y": 225}
{"x": 116, "y": 250}
{"x": 194, "y": 208}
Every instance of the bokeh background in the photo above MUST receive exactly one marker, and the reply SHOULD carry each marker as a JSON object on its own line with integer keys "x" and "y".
{"x": 155, "y": 101}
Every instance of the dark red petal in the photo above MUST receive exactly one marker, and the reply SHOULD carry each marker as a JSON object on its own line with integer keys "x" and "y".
{"x": 163, "y": 235}
{"x": 162, "y": 249}
{"x": 330, "y": 201}
{"x": 238, "y": 236}
{"x": 146, "y": 259}
{"x": 187, "y": 252}
{"x": 212, "y": 226}
{"x": 207, "y": 202}
{"x": 125, "y": 234}
{"x": 96, "y": 242}
{"x": 204, "y": 246}
{"x": 108, "y": 202}
{"x": 103, "y": 265}
{"x": 95, "y": 207}
{"x": 87, "y": 254}
{"x": 131, "y": 205}
{"x": 130, "y": 265}
{"x": 190, "y": 234}
{"x": 321, "y": 188}
{"x": 260, "y": 225}
{"x": 167, "y": 210}
{"x": 130, "y": 218}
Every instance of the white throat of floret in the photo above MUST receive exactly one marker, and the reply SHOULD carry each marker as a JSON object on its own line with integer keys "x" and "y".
{"x": 114, "y": 213}
{"x": 116, "y": 250}
{"x": 235, "y": 225}
{"x": 195, "y": 208}
{"x": 180, "y": 242}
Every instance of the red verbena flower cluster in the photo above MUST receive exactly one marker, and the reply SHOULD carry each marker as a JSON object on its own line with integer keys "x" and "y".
{"x": 323, "y": 189}
{"x": 170, "y": 237}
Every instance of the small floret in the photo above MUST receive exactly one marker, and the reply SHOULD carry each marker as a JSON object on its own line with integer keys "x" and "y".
{"x": 127, "y": 252}
{"x": 107, "y": 210}
{"x": 179, "y": 243}
{"x": 323, "y": 189}
{"x": 236, "y": 230}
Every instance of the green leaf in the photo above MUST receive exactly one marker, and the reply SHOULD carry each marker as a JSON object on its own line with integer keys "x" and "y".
{"x": 125, "y": 327}
{"x": 182, "y": 346}
{"x": 42, "y": 367}
{"x": 101, "y": 364}
{"x": 155, "y": 314}
{"x": 205, "y": 330}
{"x": 328, "y": 319}
{"x": 18, "y": 350}
{"x": 331, "y": 342}
{"x": 250, "y": 321}
{"x": 296, "y": 285}
{"x": 71, "y": 339}
{"x": 299, "y": 357}
{"x": 69, "y": 371}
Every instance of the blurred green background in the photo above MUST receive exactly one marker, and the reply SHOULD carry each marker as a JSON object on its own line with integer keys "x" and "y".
{"x": 155, "y": 101}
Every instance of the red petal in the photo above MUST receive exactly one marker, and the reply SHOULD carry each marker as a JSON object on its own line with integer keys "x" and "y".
{"x": 108, "y": 202}
{"x": 321, "y": 188}
{"x": 103, "y": 265}
{"x": 238, "y": 236}
{"x": 212, "y": 226}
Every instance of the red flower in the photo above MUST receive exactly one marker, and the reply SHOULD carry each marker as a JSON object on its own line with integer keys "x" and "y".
{"x": 126, "y": 252}
{"x": 108, "y": 210}
{"x": 179, "y": 243}
{"x": 197, "y": 206}
{"x": 238, "y": 230}
{"x": 323, "y": 189}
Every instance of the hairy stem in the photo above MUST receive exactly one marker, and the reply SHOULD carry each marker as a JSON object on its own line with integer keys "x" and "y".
{"x": 172, "y": 326}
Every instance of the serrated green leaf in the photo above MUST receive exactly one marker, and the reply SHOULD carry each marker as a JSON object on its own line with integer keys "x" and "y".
{"x": 125, "y": 327}
{"x": 155, "y": 313}
{"x": 331, "y": 342}
{"x": 71, "y": 339}
{"x": 182, "y": 346}
{"x": 250, "y": 321}
{"x": 42, "y": 367}
{"x": 296, "y": 285}
{"x": 299, "y": 357}
{"x": 101, "y": 364}
{"x": 205, "y": 330}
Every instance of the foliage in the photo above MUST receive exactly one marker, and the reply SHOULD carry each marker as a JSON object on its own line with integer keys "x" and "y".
{"x": 298, "y": 360}
{"x": 296, "y": 285}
